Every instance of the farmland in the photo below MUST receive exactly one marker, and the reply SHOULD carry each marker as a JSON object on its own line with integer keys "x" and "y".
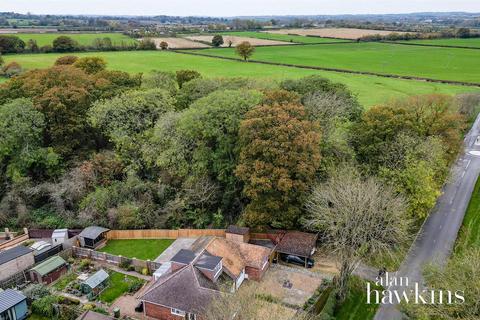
{"x": 82, "y": 38}
{"x": 235, "y": 40}
{"x": 429, "y": 62}
{"x": 471, "y": 42}
{"x": 341, "y": 33}
{"x": 383, "y": 89}
{"x": 281, "y": 37}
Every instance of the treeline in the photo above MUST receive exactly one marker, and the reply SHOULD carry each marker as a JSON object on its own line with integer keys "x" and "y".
{"x": 13, "y": 44}
{"x": 444, "y": 34}
{"x": 82, "y": 145}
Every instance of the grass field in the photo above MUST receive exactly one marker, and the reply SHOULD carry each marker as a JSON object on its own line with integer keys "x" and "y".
{"x": 355, "y": 306}
{"x": 82, "y": 38}
{"x": 472, "y": 42}
{"x": 117, "y": 286}
{"x": 469, "y": 236}
{"x": 371, "y": 90}
{"x": 141, "y": 249}
{"x": 281, "y": 37}
{"x": 429, "y": 62}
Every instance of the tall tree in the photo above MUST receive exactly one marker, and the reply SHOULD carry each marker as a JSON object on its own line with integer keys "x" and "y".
{"x": 245, "y": 50}
{"x": 217, "y": 40}
{"x": 279, "y": 157}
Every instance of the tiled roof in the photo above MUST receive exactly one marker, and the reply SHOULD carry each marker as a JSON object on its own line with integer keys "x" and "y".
{"x": 92, "y": 315}
{"x": 237, "y": 255}
{"x": 13, "y": 253}
{"x": 237, "y": 230}
{"x": 10, "y": 298}
{"x": 186, "y": 290}
{"x": 297, "y": 243}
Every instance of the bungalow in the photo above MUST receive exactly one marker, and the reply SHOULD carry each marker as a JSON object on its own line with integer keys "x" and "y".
{"x": 49, "y": 270}
{"x": 92, "y": 237}
{"x": 13, "y": 305}
{"x": 15, "y": 260}
{"x": 296, "y": 243}
{"x": 95, "y": 283}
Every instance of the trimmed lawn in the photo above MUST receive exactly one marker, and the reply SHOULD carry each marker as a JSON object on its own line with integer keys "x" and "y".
{"x": 355, "y": 306}
{"x": 469, "y": 236}
{"x": 117, "y": 286}
{"x": 84, "y": 39}
{"x": 428, "y": 62}
{"x": 371, "y": 90}
{"x": 281, "y": 37}
{"x": 471, "y": 42}
{"x": 141, "y": 249}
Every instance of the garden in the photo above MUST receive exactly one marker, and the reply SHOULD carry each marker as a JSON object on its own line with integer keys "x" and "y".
{"x": 144, "y": 249}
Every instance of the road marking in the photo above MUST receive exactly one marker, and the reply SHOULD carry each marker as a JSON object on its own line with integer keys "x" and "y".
{"x": 468, "y": 163}
{"x": 463, "y": 174}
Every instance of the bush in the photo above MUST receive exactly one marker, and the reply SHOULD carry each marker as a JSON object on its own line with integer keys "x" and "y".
{"x": 184, "y": 76}
{"x": 125, "y": 264}
{"x": 147, "y": 44}
{"x": 36, "y": 291}
{"x": 66, "y": 60}
{"x": 45, "y": 306}
{"x": 161, "y": 80}
{"x": 145, "y": 271}
{"x": 85, "y": 264}
{"x": 64, "y": 44}
{"x": 135, "y": 286}
{"x": 12, "y": 69}
{"x": 91, "y": 65}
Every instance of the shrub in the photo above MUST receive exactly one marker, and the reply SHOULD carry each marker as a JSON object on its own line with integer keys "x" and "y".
{"x": 66, "y": 60}
{"x": 161, "y": 80}
{"x": 125, "y": 264}
{"x": 85, "y": 264}
{"x": 184, "y": 76}
{"x": 147, "y": 44}
{"x": 91, "y": 65}
{"x": 45, "y": 306}
{"x": 36, "y": 291}
{"x": 12, "y": 69}
{"x": 134, "y": 286}
{"x": 145, "y": 271}
{"x": 64, "y": 44}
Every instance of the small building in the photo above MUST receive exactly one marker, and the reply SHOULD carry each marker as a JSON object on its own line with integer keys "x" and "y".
{"x": 236, "y": 233}
{"x": 92, "y": 237}
{"x": 13, "y": 305}
{"x": 59, "y": 236}
{"x": 301, "y": 244}
{"x": 40, "y": 247}
{"x": 95, "y": 283}
{"x": 15, "y": 260}
{"x": 49, "y": 270}
{"x": 92, "y": 315}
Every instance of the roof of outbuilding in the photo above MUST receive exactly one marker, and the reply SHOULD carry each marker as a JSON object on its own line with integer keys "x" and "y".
{"x": 183, "y": 256}
{"x": 49, "y": 265}
{"x": 13, "y": 253}
{"x": 207, "y": 261}
{"x": 92, "y": 315}
{"x": 92, "y": 232}
{"x": 237, "y": 230}
{"x": 297, "y": 243}
{"x": 10, "y": 298}
{"x": 98, "y": 277}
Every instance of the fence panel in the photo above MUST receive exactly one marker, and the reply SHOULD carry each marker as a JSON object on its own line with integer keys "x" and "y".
{"x": 163, "y": 233}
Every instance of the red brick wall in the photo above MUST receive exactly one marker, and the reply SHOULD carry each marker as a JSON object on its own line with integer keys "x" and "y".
{"x": 158, "y": 312}
{"x": 255, "y": 274}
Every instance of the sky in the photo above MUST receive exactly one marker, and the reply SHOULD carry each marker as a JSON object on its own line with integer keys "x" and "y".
{"x": 235, "y": 8}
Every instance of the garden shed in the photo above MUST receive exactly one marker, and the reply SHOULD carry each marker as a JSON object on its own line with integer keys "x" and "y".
{"x": 92, "y": 237}
{"x": 49, "y": 270}
{"x": 95, "y": 283}
{"x": 13, "y": 305}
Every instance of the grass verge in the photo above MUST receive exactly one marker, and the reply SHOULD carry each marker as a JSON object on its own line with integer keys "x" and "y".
{"x": 469, "y": 236}
{"x": 355, "y": 306}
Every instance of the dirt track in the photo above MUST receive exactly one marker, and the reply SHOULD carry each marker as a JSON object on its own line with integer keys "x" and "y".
{"x": 236, "y": 40}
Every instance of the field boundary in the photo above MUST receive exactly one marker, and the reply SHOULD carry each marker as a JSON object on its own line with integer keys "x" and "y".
{"x": 428, "y": 45}
{"x": 368, "y": 73}
{"x": 287, "y": 44}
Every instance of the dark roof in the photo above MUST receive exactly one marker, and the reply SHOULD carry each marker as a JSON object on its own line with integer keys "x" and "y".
{"x": 92, "y": 315}
{"x": 297, "y": 243}
{"x": 207, "y": 261}
{"x": 267, "y": 243}
{"x": 92, "y": 232}
{"x": 237, "y": 230}
{"x": 10, "y": 298}
{"x": 13, "y": 253}
{"x": 183, "y": 256}
{"x": 185, "y": 290}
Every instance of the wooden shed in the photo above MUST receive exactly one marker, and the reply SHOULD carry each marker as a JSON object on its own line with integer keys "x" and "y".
{"x": 49, "y": 270}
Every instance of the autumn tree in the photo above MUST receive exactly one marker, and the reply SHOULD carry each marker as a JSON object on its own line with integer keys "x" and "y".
{"x": 164, "y": 45}
{"x": 245, "y": 50}
{"x": 217, "y": 40}
{"x": 279, "y": 156}
{"x": 91, "y": 65}
{"x": 184, "y": 76}
{"x": 66, "y": 60}
{"x": 357, "y": 218}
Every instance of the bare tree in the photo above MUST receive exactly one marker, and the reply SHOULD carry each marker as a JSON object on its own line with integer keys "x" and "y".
{"x": 357, "y": 218}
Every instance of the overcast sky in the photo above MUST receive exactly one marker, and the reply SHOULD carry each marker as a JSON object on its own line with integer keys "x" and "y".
{"x": 234, "y": 7}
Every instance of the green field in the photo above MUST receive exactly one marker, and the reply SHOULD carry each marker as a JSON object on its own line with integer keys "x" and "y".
{"x": 469, "y": 236}
{"x": 429, "y": 62}
{"x": 141, "y": 249}
{"x": 84, "y": 39}
{"x": 471, "y": 42}
{"x": 281, "y": 37}
{"x": 371, "y": 90}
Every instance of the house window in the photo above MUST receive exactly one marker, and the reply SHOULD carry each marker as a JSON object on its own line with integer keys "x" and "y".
{"x": 192, "y": 316}
{"x": 177, "y": 312}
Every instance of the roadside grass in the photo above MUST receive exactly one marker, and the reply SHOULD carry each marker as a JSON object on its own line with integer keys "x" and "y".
{"x": 62, "y": 283}
{"x": 282, "y": 37}
{"x": 84, "y": 39}
{"x": 117, "y": 286}
{"x": 141, "y": 249}
{"x": 428, "y": 62}
{"x": 470, "y": 42}
{"x": 469, "y": 236}
{"x": 355, "y": 306}
{"x": 370, "y": 90}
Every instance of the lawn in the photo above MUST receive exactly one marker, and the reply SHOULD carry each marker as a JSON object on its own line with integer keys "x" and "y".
{"x": 371, "y": 90}
{"x": 141, "y": 249}
{"x": 117, "y": 286}
{"x": 471, "y": 42}
{"x": 355, "y": 306}
{"x": 469, "y": 236}
{"x": 281, "y": 37}
{"x": 428, "y": 62}
{"x": 82, "y": 38}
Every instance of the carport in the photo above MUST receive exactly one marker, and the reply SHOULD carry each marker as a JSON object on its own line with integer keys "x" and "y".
{"x": 297, "y": 243}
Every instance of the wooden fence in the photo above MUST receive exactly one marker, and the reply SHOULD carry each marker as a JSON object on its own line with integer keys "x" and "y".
{"x": 15, "y": 241}
{"x": 115, "y": 260}
{"x": 164, "y": 234}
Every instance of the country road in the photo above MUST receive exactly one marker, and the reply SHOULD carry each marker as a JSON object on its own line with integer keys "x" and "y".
{"x": 437, "y": 236}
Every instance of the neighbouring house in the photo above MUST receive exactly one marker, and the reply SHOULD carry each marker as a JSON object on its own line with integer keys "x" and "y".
{"x": 95, "y": 283}
{"x": 15, "y": 260}
{"x": 240, "y": 260}
{"x": 49, "y": 270}
{"x": 13, "y": 305}
{"x": 92, "y": 237}
{"x": 301, "y": 244}
{"x": 236, "y": 233}
{"x": 92, "y": 315}
{"x": 182, "y": 294}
